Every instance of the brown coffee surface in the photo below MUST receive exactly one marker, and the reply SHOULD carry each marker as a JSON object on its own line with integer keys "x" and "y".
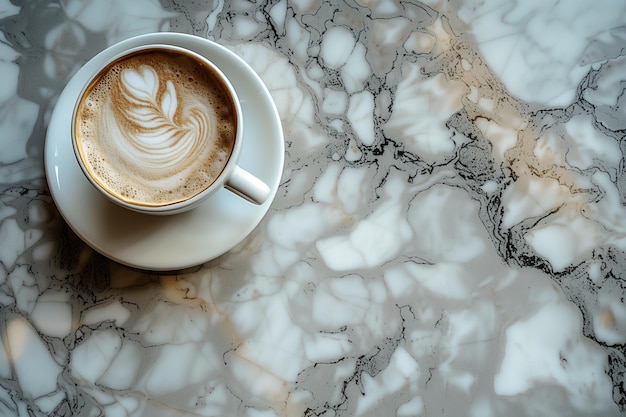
{"x": 156, "y": 127}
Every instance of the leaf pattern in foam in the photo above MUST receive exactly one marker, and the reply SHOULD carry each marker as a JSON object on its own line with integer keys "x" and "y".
{"x": 141, "y": 89}
{"x": 156, "y": 141}
{"x": 169, "y": 101}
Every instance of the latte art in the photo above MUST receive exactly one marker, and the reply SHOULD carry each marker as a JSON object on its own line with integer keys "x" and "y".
{"x": 156, "y": 128}
{"x": 152, "y": 138}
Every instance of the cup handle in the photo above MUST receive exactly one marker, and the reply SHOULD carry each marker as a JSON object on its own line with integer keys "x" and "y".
{"x": 247, "y": 186}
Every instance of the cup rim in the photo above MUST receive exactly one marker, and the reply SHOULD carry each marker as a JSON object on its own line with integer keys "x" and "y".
{"x": 166, "y": 208}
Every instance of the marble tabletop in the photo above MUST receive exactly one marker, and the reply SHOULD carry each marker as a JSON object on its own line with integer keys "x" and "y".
{"x": 448, "y": 237}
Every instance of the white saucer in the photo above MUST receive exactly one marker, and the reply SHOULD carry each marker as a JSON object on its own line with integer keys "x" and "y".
{"x": 176, "y": 241}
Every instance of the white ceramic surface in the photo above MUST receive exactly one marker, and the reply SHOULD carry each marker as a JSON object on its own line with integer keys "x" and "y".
{"x": 182, "y": 240}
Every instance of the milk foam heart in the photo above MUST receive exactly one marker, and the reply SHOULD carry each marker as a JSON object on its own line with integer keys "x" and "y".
{"x": 156, "y": 127}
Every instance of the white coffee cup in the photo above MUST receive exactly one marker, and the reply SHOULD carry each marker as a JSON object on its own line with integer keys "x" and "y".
{"x": 159, "y": 128}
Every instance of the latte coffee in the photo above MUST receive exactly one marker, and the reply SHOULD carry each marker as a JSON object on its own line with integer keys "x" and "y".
{"x": 155, "y": 127}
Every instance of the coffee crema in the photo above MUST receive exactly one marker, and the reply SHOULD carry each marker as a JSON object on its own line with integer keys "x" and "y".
{"x": 155, "y": 127}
